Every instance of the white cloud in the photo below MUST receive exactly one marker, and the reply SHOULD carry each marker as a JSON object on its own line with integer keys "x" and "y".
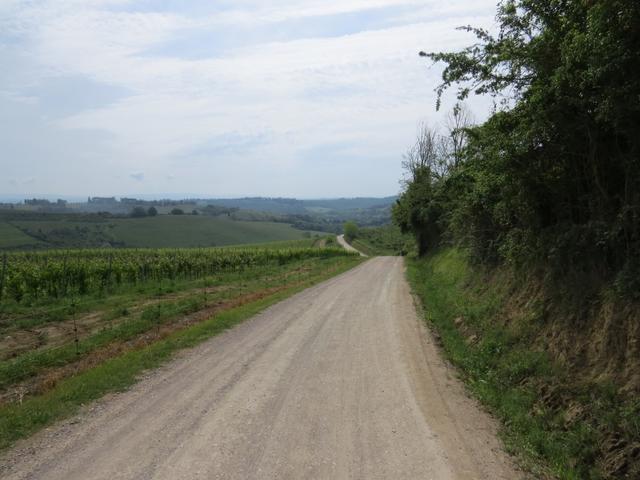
{"x": 365, "y": 90}
{"x": 257, "y": 13}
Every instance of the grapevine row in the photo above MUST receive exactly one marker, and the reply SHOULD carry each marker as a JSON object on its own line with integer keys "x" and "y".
{"x": 54, "y": 274}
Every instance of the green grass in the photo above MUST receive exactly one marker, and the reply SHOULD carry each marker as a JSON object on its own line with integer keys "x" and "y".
{"x": 198, "y": 230}
{"x": 18, "y": 420}
{"x": 121, "y": 319}
{"x": 33, "y": 362}
{"x": 499, "y": 364}
{"x": 12, "y": 237}
{"x": 50, "y": 310}
{"x": 385, "y": 240}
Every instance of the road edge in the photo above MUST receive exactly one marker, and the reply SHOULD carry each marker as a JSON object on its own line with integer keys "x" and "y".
{"x": 146, "y": 360}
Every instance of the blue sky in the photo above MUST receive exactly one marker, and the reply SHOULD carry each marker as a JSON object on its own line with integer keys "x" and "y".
{"x": 220, "y": 98}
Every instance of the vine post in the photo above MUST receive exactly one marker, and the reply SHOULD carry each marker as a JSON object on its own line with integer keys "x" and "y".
{"x": 204, "y": 293}
{"x": 110, "y": 270}
{"x": 2, "y": 274}
{"x": 158, "y": 315}
{"x": 76, "y": 340}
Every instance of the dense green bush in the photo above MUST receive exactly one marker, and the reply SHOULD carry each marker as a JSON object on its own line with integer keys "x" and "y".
{"x": 350, "y": 230}
{"x": 554, "y": 175}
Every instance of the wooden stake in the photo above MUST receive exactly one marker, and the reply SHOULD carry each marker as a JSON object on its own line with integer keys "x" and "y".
{"x": 75, "y": 327}
{"x": 4, "y": 270}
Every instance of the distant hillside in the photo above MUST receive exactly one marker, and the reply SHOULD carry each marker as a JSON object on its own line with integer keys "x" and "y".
{"x": 278, "y": 206}
{"x": 295, "y": 206}
{"x": 73, "y": 230}
{"x": 39, "y": 223}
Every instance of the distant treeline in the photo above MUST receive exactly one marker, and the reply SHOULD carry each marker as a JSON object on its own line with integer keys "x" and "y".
{"x": 295, "y": 206}
{"x": 553, "y": 176}
{"x": 330, "y": 221}
{"x": 135, "y": 201}
{"x": 323, "y": 214}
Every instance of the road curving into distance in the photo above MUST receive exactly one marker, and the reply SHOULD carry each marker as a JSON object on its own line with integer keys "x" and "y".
{"x": 341, "y": 381}
{"x": 347, "y": 246}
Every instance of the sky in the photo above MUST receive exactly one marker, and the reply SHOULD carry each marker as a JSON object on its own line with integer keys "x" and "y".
{"x": 227, "y": 98}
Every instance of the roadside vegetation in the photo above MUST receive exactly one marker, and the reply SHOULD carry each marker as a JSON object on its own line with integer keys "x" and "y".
{"x": 350, "y": 230}
{"x": 552, "y": 177}
{"x": 561, "y": 421}
{"x": 385, "y": 240}
{"x": 527, "y": 230}
{"x": 61, "y": 350}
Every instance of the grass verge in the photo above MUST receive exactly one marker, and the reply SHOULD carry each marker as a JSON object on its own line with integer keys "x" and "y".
{"x": 558, "y": 427}
{"x": 37, "y": 352}
{"x": 385, "y": 240}
{"x": 18, "y": 420}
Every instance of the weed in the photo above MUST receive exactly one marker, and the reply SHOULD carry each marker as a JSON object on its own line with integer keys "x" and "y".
{"x": 530, "y": 394}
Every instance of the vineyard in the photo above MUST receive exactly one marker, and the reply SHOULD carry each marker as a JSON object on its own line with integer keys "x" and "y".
{"x": 68, "y": 316}
{"x": 29, "y": 276}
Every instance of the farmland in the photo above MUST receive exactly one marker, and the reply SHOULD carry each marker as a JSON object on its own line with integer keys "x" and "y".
{"x": 65, "y": 313}
{"x": 162, "y": 231}
{"x": 58, "y": 274}
{"x": 195, "y": 231}
{"x": 12, "y": 237}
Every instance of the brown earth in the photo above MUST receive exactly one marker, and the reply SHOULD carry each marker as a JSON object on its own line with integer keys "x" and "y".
{"x": 17, "y": 341}
{"x": 49, "y": 378}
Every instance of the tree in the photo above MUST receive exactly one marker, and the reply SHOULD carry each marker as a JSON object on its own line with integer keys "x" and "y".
{"x": 138, "y": 212}
{"x": 350, "y": 231}
{"x": 425, "y": 153}
{"x": 418, "y": 211}
{"x": 152, "y": 212}
{"x": 458, "y": 123}
{"x": 554, "y": 174}
{"x": 422, "y": 209}
{"x": 177, "y": 211}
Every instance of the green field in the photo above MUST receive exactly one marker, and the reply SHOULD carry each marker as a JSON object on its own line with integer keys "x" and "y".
{"x": 198, "y": 231}
{"x": 11, "y": 237}
{"x": 170, "y": 231}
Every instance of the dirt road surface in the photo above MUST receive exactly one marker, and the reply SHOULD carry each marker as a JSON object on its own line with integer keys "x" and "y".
{"x": 338, "y": 382}
{"x": 344, "y": 244}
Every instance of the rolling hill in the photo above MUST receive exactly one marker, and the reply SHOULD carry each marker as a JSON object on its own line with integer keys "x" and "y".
{"x": 68, "y": 231}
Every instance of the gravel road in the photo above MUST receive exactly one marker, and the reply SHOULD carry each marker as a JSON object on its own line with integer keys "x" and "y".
{"x": 347, "y": 246}
{"x": 341, "y": 381}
